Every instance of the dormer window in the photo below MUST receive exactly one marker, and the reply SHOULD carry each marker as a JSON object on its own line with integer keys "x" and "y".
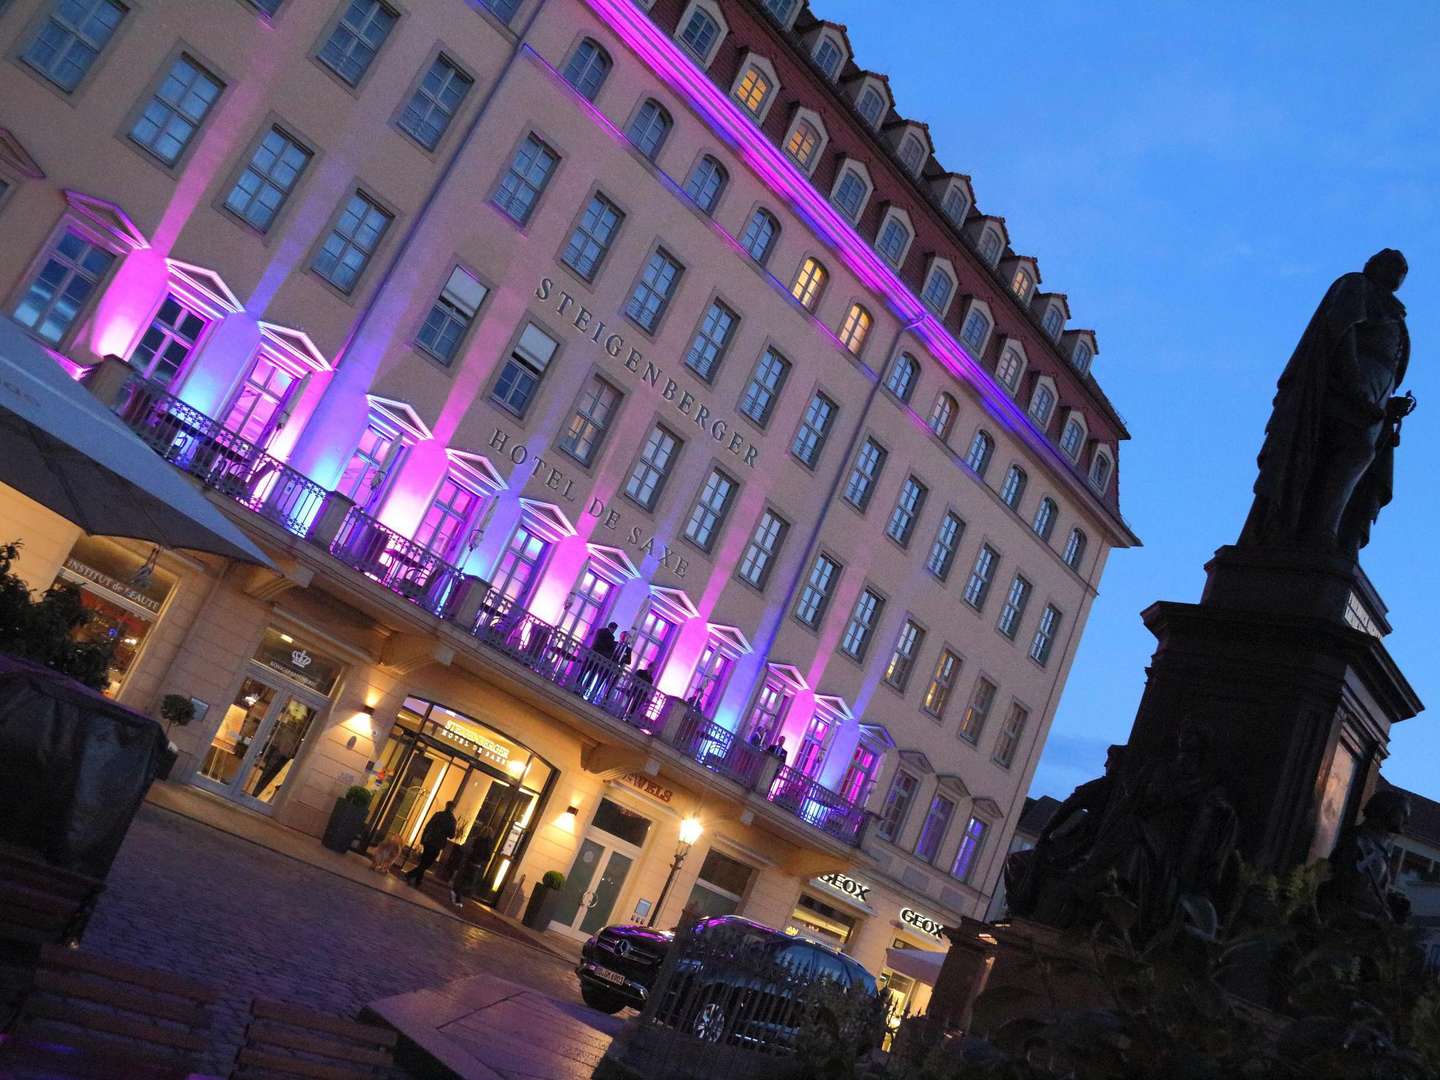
{"x": 851, "y": 191}
{"x": 938, "y": 289}
{"x": 1007, "y": 372}
{"x": 1072, "y": 439}
{"x": 1042, "y": 404}
{"x": 1100, "y": 469}
{"x": 754, "y": 90}
{"x": 805, "y": 140}
{"x": 955, "y": 205}
{"x": 871, "y": 106}
{"x": 829, "y": 56}
{"x": 977, "y": 329}
{"x": 894, "y": 240}
{"x": 912, "y": 153}
{"x": 1021, "y": 284}
{"x": 780, "y": 10}
{"x": 1054, "y": 321}
{"x": 701, "y": 34}
{"x": 1081, "y": 357}
{"x": 990, "y": 246}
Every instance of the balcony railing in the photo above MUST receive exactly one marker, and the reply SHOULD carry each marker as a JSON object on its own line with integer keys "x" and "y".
{"x": 816, "y": 804}
{"x": 719, "y": 749}
{"x": 235, "y": 467}
{"x": 397, "y": 562}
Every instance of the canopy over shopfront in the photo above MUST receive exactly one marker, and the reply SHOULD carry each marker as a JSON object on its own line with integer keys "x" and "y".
{"x": 922, "y": 965}
{"x": 64, "y": 449}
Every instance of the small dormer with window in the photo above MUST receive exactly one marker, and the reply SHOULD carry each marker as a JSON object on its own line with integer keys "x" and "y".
{"x": 939, "y": 289}
{"x": 852, "y": 188}
{"x": 782, "y": 11}
{"x": 1073, "y": 434}
{"x": 910, "y": 140}
{"x": 893, "y": 238}
{"x": 989, "y": 236}
{"x": 1041, "y": 407}
{"x": 701, "y": 29}
{"x": 756, "y": 87}
{"x": 955, "y": 197}
{"x": 1022, "y": 275}
{"x": 1102, "y": 467}
{"x": 1010, "y": 364}
{"x": 805, "y": 140}
{"x": 976, "y": 322}
{"x": 871, "y": 94}
{"x": 829, "y": 48}
{"x": 1078, "y": 346}
{"x": 1052, "y": 309}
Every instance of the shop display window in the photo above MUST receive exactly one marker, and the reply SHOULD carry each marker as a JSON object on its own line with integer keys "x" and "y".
{"x": 720, "y": 887}
{"x": 818, "y": 921}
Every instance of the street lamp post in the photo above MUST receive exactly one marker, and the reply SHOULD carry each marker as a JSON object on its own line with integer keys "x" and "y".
{"x": 690, "y": 830}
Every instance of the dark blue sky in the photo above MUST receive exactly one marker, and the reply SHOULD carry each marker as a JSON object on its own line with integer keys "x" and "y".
{"x": 1194, "y": 176}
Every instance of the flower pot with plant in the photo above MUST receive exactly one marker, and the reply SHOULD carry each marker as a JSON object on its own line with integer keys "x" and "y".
{"x": 347, "y": 819}
{"x": 544, "y": 900}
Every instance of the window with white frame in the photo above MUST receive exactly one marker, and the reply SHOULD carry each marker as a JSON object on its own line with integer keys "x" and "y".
{"x": 1045, "y": 515}
{"x": 850, "y": 193}
{"x": 593, "y": 235}
{"x": 763, "y": 548}
{"x": 814, "y": 742}
{"x": 176, "y": 110}
{"x": 72, "y": 37}
{"x": 860, "y": 774}
{"x": 1042, "y": 405}
{"x": 1075, "y": 545}
{"x": 982, "y": 574}
{"x": 955, "y": 205}
{"x": 435, "y": 102}
{"x": 168, "y": 342}
{"x": 768, "y": 712}
{"x": 700, "y": 34}
{"x": 518, "y": 568}
{"x": 653, "y": 636}
{"x": 654, "y": 289}
{"x": 942, "y": 684}
{"x": 810, "y": 283}
{"x": 451, "y": 315}
{"x": 712, "y": 672}
{"x": 871, "y": 105}
{"x": 1007, "y": 371}
{"x": 860, "y": 630}
{"x": 977, "y": 329}
{"x": 269, "y": 177}
{"x": 893, "y": 241}
{"x": 1072, "y": 440}
{"x": 977, "y": 713}
{"x": 1011, "y": 732}
{"x": 1014, "y": 609}
{"x": 1045, "y": 632}
{"x": 942, "y": 415}
{"x": 912, "y": 153}
{"x": 904, "y": 374}
{"x": 649, "y": 128}
{"x": 814, "y": 428}
{"x": 1054, "y": 321}
{"x": 1012, "y": 490}
{"x": 758, "y": 240}
{"x": 990, "y": 246}
{"x": 652, "y": 467}
{"x": 780, "y": 10}
{"x": 594, "y": 413}
{"x": 763, "y": 389}
{"x": 1081, "y": 357}
{"x": 752, "y": 90}
{"x": 588, "y": 604}
{"x": 587, "y": 68}
{"x": 902, "y": 658}
{"x": 815, "y": 594}
{"x": 706, "y": 183}
{"x": 373, "y": 465}
{"x": 352, "y": 241}
{"x": 856, "y": 328}
{"x": 1021, "y": 284}
{"x": 523, "y": 369}
{"x": 972, "y": 844}
{"x": 942, "y": 551}
{"x": 445, "y": 526}
{"x": 829, "y": 56}
{"x": 525, "y": 179}
{"x": 937, "y": 824}
{"x": 63, "y": 285}
{"x": 356, "y": 39}
{"x": 711, "y": 506}
{"x": 712, "y": 338}
{"x": 939, "y": 287}
{"x": 982, "y": 449}
{"x": 869, "y": 462}
{"x": 803, "y": 145}
{"x": 1100, "y": 469}
{"x": 908, "y": 506}
{"x": 898, "y": 800}
{"x": 259, "y": 404}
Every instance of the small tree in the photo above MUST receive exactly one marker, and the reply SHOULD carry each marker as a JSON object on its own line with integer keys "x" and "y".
{"x": 43, "y": 630}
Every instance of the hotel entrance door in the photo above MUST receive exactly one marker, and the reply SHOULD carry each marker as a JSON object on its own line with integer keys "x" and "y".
{"x": 611, "y": 847}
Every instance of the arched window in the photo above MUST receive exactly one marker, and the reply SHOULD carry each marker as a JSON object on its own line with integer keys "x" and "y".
{"x": 871, "y": 106}
{"x": 700, "y": 34}
{"x": 649, "y": 128}
{"x": 1013, "y": 489}
{"x": 990, "y": 246}
{"x": 1045, "y": 514}
{"x": 937, "y": 290}
{"x": 752, "y": 90}
{"x": 1073, "y": 438}
{"x": 956, "y": 205}
{"x": 759, "y": 238}
{"x": 707, "y": 181}
{"x": 912, "y": 153}
{"x": 1100, "y": 469}
{"x": 894, "y": 241}
{"x": 1042, "y": 404}
{"x": 588, "y": 66}
{"x": 850, "y": 193}
{"x": 942, "y": 415}
{"x": 982, "y": 447}
{"x": 1074, "y": 549}
{"x": 1007, "y": 372}
{"x": 828, "y": 56}
{"x": 904, "y": 372}
{"x": 1081, "y": 357}
{"x": 780, "y": 9}
{"x": 810, "y": 283}
{"x": 1054, "y": 320}
{"x": 803, "y": 145}
{"x": 977, "y": 328}
{"x": 856, "y": 328}
{"x": 1022, "y": 284}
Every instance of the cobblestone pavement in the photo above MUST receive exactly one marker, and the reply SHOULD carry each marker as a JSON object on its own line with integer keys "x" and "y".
{"x": 187, "y": 898}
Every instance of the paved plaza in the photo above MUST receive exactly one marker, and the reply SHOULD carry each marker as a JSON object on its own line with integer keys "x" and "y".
{"x": 186, "y": 897}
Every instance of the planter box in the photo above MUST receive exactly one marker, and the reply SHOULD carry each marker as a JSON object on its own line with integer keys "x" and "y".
{"x": 346, "y": 822}
{"x": 544, "y": 902}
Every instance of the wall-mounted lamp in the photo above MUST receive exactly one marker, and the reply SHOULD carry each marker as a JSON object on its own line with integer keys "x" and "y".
{"x": 572, "y": 809}
{"x": 368, "y": 710}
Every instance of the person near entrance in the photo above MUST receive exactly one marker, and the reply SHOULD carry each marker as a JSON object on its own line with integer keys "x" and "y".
{"x": 280, "y": 750}
{"x": 438, "y": 831}
{"x": 479, "y": 846}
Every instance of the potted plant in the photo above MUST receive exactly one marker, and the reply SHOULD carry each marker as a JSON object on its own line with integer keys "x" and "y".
{"x": 347, "y": 818}
{"x": 544, "y": 900}
{"x": 176, "y": 709}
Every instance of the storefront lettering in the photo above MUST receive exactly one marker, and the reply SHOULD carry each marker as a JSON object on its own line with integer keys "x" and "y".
{"x": 849, "y": 886}
{"x": 647, "y": 371}
{"x": 477, "y": 743}
{"x": 649, "y": 545}
{"x": 110, "y": 584}
{"x": 923, "y": 923}
{"x": 649, "y": 787}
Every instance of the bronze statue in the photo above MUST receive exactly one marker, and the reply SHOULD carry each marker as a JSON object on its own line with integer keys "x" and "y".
{"x": 1361, "y": 878}
{"x": 1327, "y": 463}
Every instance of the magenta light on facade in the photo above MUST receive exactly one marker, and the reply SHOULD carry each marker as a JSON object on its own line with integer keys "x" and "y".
{"x": 665, "y": 58}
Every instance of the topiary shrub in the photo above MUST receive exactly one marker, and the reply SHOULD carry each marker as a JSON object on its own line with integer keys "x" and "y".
{"x": 358, "y": 794}
{"x": 553, "y": 879}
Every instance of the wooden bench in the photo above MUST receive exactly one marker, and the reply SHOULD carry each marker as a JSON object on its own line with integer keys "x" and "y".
{"x": 287, "y": 1042}
{"x": 88, "y": 1016}
{"x": 40, "y": 905}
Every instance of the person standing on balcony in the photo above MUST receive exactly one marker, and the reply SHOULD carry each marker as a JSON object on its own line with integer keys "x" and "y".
{"x": 438, "y": 831}
{"x": 639, "y": 690}
{"x": 602, "y": 649}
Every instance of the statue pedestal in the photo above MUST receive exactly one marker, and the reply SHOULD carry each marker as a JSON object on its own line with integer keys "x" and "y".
{"x": 1298, "y": 702}
{"x": 1036, "y": 970}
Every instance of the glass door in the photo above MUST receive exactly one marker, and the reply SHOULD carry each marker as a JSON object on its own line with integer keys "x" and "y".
{"x": 611, "y": 847}
{"x": 255, "y": 746}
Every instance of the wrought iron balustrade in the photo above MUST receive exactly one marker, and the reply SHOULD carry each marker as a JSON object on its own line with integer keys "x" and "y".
{"x": 400, "y": 564}
{"x": 719, "y": 749}
{"x": 817, "y": 805}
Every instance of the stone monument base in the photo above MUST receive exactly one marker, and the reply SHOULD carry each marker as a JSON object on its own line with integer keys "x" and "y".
{"x": 1035, "y": 971}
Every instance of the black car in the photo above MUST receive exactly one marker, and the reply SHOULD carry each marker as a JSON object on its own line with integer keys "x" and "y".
{"x": 619, "y": 965}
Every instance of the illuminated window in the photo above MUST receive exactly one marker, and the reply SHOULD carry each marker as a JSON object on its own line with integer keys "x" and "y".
{"x": 1014, "y": 610}
{"x": 594, "y": 412}
{"x": 803, "y": 145}
{"x": 894, "y": 241}
{"x": 711, "y": 340}
{"x": 942, "y": 415}
{"x": 255, "y": 411}
{"x": 977, "y": 588}
{"x": 938, "y": 290}
{"x": 815, "y": 594}
{"x": 902, "y": 660}
{"x": 712, "y": 672}
{"x": 1045, "y": 514}
{"x": 768, "y": 712}
{"x": 1044, "y": 639}
{"x": 1021, "y": 284}
{"x": 868, "y": 463}
{"x": 754, "y": 88}
{"x": 168, "y": 342}
{"x": 521, "y": 185}
{"x": 971, "y": 845}
{"x": 850, "y": 193}
{"x": 764, "y": 386}
{"x": 274, "y": 168}
{"x": 451, "y": 315}
{"x": 813, "y": 743}
{"x": 810, "y": 283}
{"x": 444, "y": 527}
{"x": 1075, "y": 548}
{"x": 1073, "y": 438}
{"x": 907, "y": 509}
{"x": 521, "y": 374}
{"x": 518, "y": 569}
{"x": 764, "y": 546}
{"x": 1007, "y": 372}
{"x": 176, "y": 110}
{"x": 654, "y": 290}
{"x": 649, "y": 129}
{"x": 707, "y": 182}
{"x": 593, "y": 236}
{"x": 904, "y": 374}
{"x": 351, "y": 245}
{"x": 1013, "y": 489}
{"x": 982, "y": 699}
{"x": 982, "y": 448}
{"x": 71, "y": 38}
{"x": 435, "y": 101}
{"x": 1008, "y": 741}
{"x": 855, "y": 329}
{"x": 814, "y": 428}
{"x": 871, "y": 106}
{"x": 864, "y": 617}
{"x": 587, "y": 68}
{"x": 356, "y": 39}
{"x": 942, "y": 683}
{"x": 374, "y": 463}
{"x": 652, "y": 467}
{"x": 760, "y": 233}
{"x": 711, "y": 506}
{"x": 700, "y": 34}
{"x": 942, "y": 551}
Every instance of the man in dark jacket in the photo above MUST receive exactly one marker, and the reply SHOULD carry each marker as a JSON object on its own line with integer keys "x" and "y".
{"x": 438, "y": 831}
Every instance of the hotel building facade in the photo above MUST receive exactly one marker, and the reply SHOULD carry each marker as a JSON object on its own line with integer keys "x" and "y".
{"x": 494, "y": 323}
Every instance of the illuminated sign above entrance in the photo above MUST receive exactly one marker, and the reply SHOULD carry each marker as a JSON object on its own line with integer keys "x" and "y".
{"x": 924, "y": 923}
{"x": 649, "y": 787}
{"x": 855, "y": 890}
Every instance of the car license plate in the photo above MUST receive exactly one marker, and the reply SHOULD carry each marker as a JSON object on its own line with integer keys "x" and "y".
{"x": 609, "y": 976}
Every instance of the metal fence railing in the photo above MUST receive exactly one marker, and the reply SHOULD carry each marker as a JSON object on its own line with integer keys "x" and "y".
{"x": 396, "y": 562}
{"x": 812, "y": 802}
{"x": 718, "y": 749}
